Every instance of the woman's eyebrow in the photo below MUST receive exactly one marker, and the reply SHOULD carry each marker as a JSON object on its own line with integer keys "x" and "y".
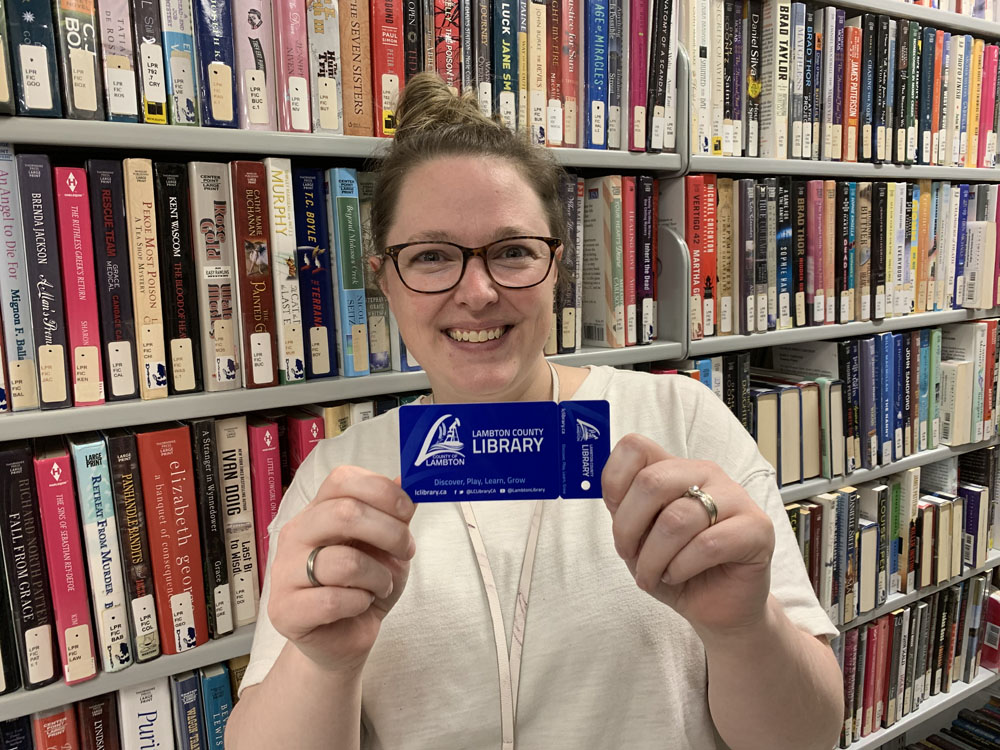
{"x": 436, "y": 235}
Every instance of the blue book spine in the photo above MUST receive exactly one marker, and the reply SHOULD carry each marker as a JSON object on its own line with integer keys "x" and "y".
{"x": 852, "y": 242}
{"x": 926, "y": 90}
{"x": 189, "y": 720}
{"x": 869, "y": 404}
{"x": 963, "y": 216}
{"x": 217, "y": 700}
{"x": 213, "y": 26}
{"x": 36, "y": 65}
{"x": 924, "y": 379}
{"x": 596, "y": 77}
{"x": 704, "y": 371}
{"x": 886, "y": 365}
{"x": 179, "y": 57}
{"x": 970, "y": 537}
{"x": 899, "y": 370}
{"x": 312, "y": 241}
{"x": 505, "y": 72}
{"x": 15, "y": 734}
{"x": 352, "y": 314}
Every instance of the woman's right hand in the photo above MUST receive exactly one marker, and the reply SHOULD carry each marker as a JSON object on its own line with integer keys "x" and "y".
{"x": 361, "y": 520}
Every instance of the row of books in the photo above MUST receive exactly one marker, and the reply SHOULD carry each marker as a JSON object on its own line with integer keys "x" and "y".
{"x": 893, "y": 664}
{"x": 123, "y": 545}
{"x": 593, "y": 73}
{"x": 977, "y": 729}
{"x": 185, "y": 711}
{"x": 790, "y": 80}
{"x": 779, "y": 252}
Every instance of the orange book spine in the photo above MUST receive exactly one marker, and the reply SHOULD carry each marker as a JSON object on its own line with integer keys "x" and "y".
{"x": 936, "y": 96}
{"x": 852, "y": 91}
{"x": 357, "y": 82}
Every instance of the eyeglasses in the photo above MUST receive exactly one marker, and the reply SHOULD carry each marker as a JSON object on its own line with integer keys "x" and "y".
{"x": 434, "y": 267}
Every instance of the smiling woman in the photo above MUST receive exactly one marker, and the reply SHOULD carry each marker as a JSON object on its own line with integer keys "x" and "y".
{"x": 675, "y": 614}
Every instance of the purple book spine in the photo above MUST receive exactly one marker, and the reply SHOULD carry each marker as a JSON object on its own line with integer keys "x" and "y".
{"x": 738, "y": 84}
{"x": 253, "y": 40}
{"x": 838, "y": 81}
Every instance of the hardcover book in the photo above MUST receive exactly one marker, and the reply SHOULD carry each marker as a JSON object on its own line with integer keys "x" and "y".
{"x": 376, "y": 305}
{"x": 179, "y": 60}
{"x": 36, "y": 76}
{"x": 253, "y": 41}
{"x": 357, "y": 86}
{"x": 351, "y": 318}
{"x": 265, "y": 482}
{"x": 387, "y": 63}
{"x": 118, "y": 60}
{"x": 189, "y": 719}
{"x": 55, "y": 728}
{"x": 144, "y": 715}
{"x": 291, "y": 53}
{"x": 78, "y": 41}
{"x": 213, "y": 28}
{"x": 604, "y": 295}
{"x": 326, "y": 65}
{"x": 152, "y": 76}
{"x": 217, "y": 698}
{"x": 97, "y": 723}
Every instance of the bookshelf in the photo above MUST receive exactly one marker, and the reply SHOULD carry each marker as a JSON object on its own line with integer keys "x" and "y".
{"x": 744, "y": 165}
{"x": 925, "y": 15}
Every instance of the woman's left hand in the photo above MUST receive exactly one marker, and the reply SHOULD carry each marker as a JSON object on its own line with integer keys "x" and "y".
{"x": 717, "y": 577}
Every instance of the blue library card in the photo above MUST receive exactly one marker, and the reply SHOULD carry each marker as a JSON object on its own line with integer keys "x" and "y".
{"x": 503, "y": 451}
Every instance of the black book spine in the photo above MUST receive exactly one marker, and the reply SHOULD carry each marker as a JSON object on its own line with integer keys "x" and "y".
{"x": 413, "y": 54}
{"x": 44, "y": 278}
{"x": 908, "y": 431}
{"x": 869, "y": 88}
{"x": 842, "y": 276}
{"x": 745, "y": 407}
{"x": 659, "y": 50}
{"x": 114, "y": 277}
{"x": 730, "y": 383}
{"x": 27, "y": 573}
{"x": 15, "y": 734}
{"x": 760, "y": 257}
{"x": 880, "y": 104}
{"x": 753, "y": 14}
{"x": 747, "y": 249}
{"x": 902, "y": 77}
{"x": 126, "y": 485}
{"x": 799, "y": 245}
{"x": 644, "y": 260}
{"x": 180, "y": 294}
{"x": 149, "y": 51}
{"x": 849, "y": 397}
{"x": 879, "y": 198}
{"x": 484, "y": 54}
{"x": 10, "y": 674}
{"x": 566, "y": 297}
{"x": 785, "y": 251}
{"x": 215, "y": 567}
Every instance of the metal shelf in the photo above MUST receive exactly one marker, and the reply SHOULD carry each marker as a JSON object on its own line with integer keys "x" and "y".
{"x": 795, "y": 492}
{"x": 896, "y": 601}
{"x": 42, "y": 132}
{"x": 24, "y": 702}
{"x": 933, "y": 705}
{"x": 719, "y": 344}
{"x": 839, "y": 169}
{"x": 935, "y": 17}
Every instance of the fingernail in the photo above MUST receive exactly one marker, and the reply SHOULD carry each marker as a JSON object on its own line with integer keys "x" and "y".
{"x": 666, "y": 578}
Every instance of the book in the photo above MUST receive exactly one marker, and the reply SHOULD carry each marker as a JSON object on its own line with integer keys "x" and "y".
{"x": 140, "y": 211}
{"x": 144, "y": 715}
{"x": 35, "y": 68}
{"x": 284, "y": 270}
{"x": 188, "y": 711}
{"x": 376, "y": 305}
{"x": 130, "y": 512}
{"x": 148, "y": 30}
{"x": 56, "y": 727}
{"x": 213, "y": 28}
{"x": 387, "y": 62}
{"x": 118, "y": 60}
{"x": 217, "y": 701}
{"x": 291, "y": 54}
{"x": 604, "y": 295}
{"x": 234, "y": 463}
{"x": 344, "y": 221}
{"x": 165, "y": 461}
{"x": 179, "y": 62}
{"x": 357, "y": 88}
{"x": 265, "y": 481}
{"x": 27, "y": 572}
{"x": 77, "y": 39}
{"x": 326, "y": 65}
{"x": 253, "y": 48}
{"x": 114, "y": 279}
{"x": 100, "y": 536}
{"x": 97, "y": 722}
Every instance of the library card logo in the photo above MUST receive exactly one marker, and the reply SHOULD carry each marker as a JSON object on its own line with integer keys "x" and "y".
{"x": 586, "y": 432}
{"x": 441, "y": 446}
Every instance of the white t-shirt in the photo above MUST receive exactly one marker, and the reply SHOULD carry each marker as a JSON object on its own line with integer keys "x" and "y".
{"x": 604, "y": 664}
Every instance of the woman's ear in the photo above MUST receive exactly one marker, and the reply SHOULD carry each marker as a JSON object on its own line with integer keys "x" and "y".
{"x": 375, "y": 264}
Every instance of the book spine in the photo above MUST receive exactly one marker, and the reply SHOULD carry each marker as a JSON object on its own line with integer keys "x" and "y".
{"x": 256, "y": 298}
{"x": 326, "y": 66}
{"x": 253, "y": 51}
{"x": 215, "y": 565}
{"x": 857, "y": 98}
{"x": 140, "y": 210}
{"x": 67, "y": 574}
{"x": 265, "y": 481}
{"x": 553, "y": 71}
{"x": 144, "y": 713}
{"x": 537, "y": 65}
{"x": 7, "y": 105}
{"x": 213, "y": 27}
{"x": 388, "y": 63}
{"x": 97, "y": 723}
{"x": 178, "y": 57}
{"x": 753, "y": 20}
{"x": 118, "y": 60}
{"x": 36, "y": 77}
{"x": 211, "y": 231}
{"x": 126, "y": 482}
{"x": 505, "y": 63}
{"x": 737, "y": 82}
{"x": 595, "y": 75}
{"x": 483, "y": 40}
{"x": 709, "y": 255}
{"x": 188, "y": 714}
{"x": 629, "y": 259}
{"x": 79, "y": 285}
{"x": 352, "y": 318}
{"x": 468, "y": 50}
{"x": 314, "y": 271}
{"x": 645, "y": 262}
{"x": 19, "y": 335}
{"x": 114, "y": 278}
{"x": 796, "y": 74}
{"x": 152, "y": 76}
{"x": 168, "y": 496}
{"x": 447, "y": 47}
{"x": 987, "y": 133}
{"x": 217, "y": 698}
{"x": 178, "y": 284}
{"x": 638, "y": 66}
{"x": 888, "y": 126}
{"x": 77, "y": 38}
{"x": 291, "y": 55}
{"x": 100, "y": 536}
{"x": 234, "y": 463}
{"x": 38, "y": 214}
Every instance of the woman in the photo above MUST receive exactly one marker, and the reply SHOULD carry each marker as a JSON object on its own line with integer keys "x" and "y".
{"x": 384, "y": 626}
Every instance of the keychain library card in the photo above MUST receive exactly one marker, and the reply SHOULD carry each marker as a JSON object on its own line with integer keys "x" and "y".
{"x": 503, "y": 451}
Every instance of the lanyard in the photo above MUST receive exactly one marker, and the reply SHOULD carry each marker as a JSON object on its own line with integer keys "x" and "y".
{"x": 508, "y": 665}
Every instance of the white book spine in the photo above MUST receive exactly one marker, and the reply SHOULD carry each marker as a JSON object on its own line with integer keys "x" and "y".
{"x": 178, "y": 51}
{"x": 598, "y": 314}
{"x": 955, "y": 93}
{"x": 670, "y": 104}
{"x": 901, "y": 305}
{"x": 144, "y": 716}
{"x": 719, "y": 134}
{"x": 974, "y": 233}
{"x": 891, "y": 260}
{"x": 978, "y": 382}
{"x": 284, "y": 269}
{"x": 775, "y": 66}
{"x": 702, "y": 75}
{"x": 952, "y": 241}
{"x": 325, "y": 66}
{"x": 798, "y": 80}
{"x": 829, "y": 60}
{"x": 234, "y": 470}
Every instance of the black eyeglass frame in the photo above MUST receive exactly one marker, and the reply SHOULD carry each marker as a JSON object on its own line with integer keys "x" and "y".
{"x": 393, "y": 252}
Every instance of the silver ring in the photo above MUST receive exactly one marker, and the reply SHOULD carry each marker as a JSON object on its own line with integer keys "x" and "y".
{"x": 699, "y": 494}
{"x": 310, "y": 562}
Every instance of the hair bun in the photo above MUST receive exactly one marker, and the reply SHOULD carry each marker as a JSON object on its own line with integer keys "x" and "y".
{"x": 427, "y": 104}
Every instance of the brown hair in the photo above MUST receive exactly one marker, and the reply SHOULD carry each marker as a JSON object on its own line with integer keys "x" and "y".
{"x": 431, "y": 123}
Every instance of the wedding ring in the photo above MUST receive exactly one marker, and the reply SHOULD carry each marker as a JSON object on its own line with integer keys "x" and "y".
{"x": 310, "y": 562}
{"x": 698, "y": 493}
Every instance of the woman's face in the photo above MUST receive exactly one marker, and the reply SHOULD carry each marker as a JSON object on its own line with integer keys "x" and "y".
{"x": 472, "y": 201}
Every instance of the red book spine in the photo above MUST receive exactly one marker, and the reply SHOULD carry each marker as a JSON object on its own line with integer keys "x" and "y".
{"x": 881, "y": 666}
{"x": 291, "y": 53}
{"x": 67, "y": 567}
{"x": 447, "y": 53}
{"x": 628, "y": 251}
{"x": 852, "y": 94}
{"x": 693, "y": 235}
{"x": 168, "y": 490}
{"x": 569, "y": 68}
{"x": 304, "y": 431}
{"x": 638, "y": 64}
{"x": 987, "y": 135}
{"x": 991, "y": 336}
{"x": 253, "y": 263}
{"x": 4, "y": 380}
{"x": 936, "y": 96}
{"x": 553, "y": 72}
{"x": 990, "y": 658}
{"x": 265, "y": 482}
{"x": 850, "y": 674}
{"x": 709, "y": 264}
{"x": 387, "y": 63}
{"x": 76, "y": 254}
{"x": 55, "y": 729}
{"x": 871, "y": 669}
